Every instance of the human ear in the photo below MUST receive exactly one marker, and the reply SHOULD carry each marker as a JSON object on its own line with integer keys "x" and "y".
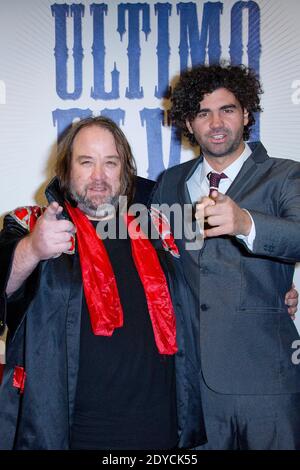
{"x": 189, "y": 127}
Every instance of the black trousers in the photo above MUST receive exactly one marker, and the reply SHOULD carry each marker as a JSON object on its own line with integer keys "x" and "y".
{"x": 250, "y": 422}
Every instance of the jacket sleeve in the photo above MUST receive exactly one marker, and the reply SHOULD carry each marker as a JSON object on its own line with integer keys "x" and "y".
{"x": 278, "y": 236}
{"x": 13, "y": 308}
{"x": 156, "y": 194}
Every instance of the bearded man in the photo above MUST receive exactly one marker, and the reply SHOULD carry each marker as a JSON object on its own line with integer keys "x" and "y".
{"x": 90, "y": 352}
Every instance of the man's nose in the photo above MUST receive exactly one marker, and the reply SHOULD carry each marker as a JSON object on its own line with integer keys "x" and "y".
{"x": 216, "y": 121}
{"x": 98, "y": 172}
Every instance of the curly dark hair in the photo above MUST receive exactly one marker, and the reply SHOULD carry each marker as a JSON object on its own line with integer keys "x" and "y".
{"x": 198, "y": 81}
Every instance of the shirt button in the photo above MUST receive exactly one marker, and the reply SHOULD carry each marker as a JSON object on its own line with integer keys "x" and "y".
{"x": 204, "y": 307}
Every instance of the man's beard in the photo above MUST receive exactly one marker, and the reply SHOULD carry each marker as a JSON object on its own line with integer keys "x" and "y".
{"x": 98, "y": 209}
{"x": 231, "y": 147}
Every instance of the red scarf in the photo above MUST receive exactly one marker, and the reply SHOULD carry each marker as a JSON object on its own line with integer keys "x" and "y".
{"x": 100, "y": 286}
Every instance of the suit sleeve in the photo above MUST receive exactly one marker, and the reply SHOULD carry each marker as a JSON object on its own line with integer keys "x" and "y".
{"x": 155, "y": 197}
{"x": 12, "y": 308}
{"x": 278, "y": 236}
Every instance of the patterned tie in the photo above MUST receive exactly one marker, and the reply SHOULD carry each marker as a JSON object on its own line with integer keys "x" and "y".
{"x": 214, "y": 181}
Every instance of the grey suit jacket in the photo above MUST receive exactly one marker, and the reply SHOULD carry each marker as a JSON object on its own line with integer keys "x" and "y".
{"x": 240, "y": 323}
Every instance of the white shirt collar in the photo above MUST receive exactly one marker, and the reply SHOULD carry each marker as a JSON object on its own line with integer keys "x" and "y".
{"x": 232, "y": 170}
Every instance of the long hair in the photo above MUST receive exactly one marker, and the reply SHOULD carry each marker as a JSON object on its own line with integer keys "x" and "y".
{"x": 205, "y": 79}
{"x": 65, "y": 149}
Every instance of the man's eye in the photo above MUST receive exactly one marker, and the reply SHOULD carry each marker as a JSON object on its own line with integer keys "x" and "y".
{"x": 111, "y": 163}
{"x": 202, "y": 115}
{"x": 228, "y": 110}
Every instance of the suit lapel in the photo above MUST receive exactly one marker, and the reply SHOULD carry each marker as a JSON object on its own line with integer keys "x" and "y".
{"x": 259, "y": 155}
{"x": 244, "y": 176}
{"x": 248, "y": 170}
{"x": 182, "y": 189}
{"x": 184, "y": 198}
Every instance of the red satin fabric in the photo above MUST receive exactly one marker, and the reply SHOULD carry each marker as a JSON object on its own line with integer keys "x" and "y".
{"x": 156, "y": 289}
{"x": 99, "y": 283}
{"x": 100, "y": 286}
{"x": 19, "y": 378}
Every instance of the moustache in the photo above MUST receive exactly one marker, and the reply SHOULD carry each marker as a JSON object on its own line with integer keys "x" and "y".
{"x": 99, "y": 187}
{"x": 222, "y": 130}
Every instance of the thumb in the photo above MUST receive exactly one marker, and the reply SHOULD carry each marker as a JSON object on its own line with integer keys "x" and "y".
{"x": 218, "y": 197}
{"x": 213, "y": 195}
{"x": 52, "y": 211}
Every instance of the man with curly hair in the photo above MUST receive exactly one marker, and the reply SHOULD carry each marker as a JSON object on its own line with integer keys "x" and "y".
{"x": 238, "y": 327}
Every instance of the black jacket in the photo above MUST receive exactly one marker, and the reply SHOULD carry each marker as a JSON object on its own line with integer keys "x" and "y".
{"x": 43, "y": 319}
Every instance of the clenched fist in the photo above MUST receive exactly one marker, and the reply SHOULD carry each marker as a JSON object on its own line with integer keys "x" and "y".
{"x": 223, "y": 215}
